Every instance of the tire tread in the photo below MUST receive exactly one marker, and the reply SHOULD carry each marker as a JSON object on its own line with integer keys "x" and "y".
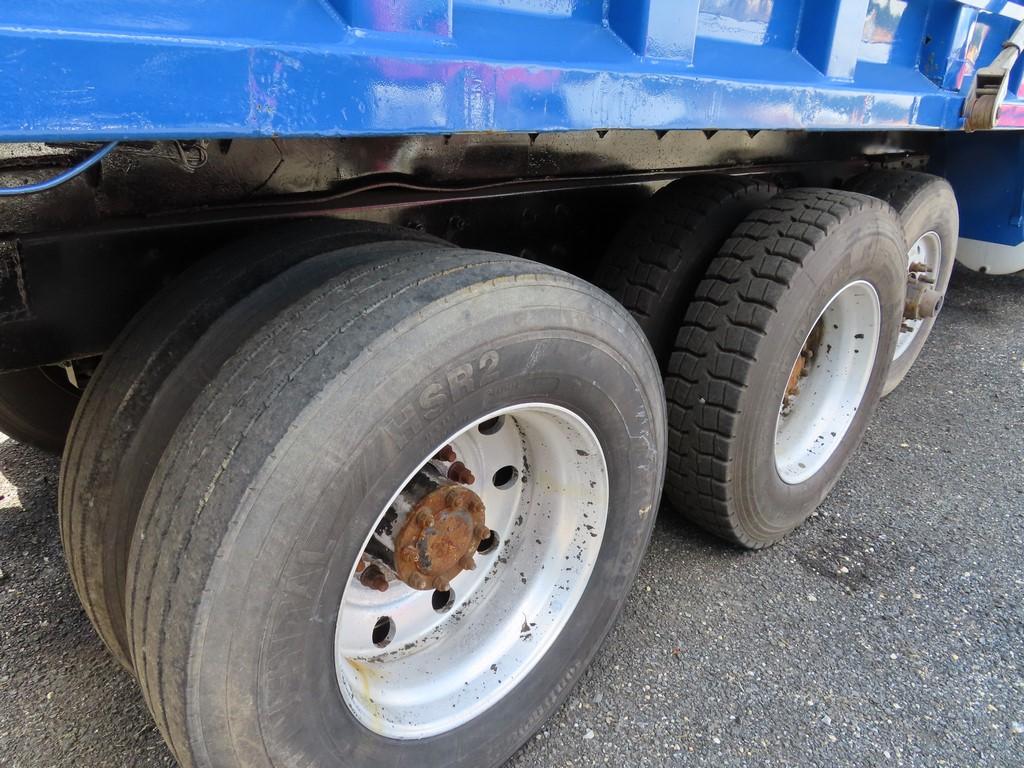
{"x": 717, "y": 344}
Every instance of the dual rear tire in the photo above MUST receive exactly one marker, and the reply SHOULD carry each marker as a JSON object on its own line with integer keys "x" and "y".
{"x": 769, "y": 393}
{"x": 239, "y": 459}
{"x": 285, "y": 417}
{"x": 755, "y": 447}
{"x": 146, "y": 383}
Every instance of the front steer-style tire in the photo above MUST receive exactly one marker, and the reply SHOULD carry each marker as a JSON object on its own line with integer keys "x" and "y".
{"x": 730, "y": 442}
{"x": 36, "y": 407}
{"x": 928, "y": 211}
{"x": 146, "y": 382}
{"x": 260, "y": 508}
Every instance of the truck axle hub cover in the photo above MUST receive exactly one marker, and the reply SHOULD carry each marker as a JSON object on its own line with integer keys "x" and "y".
{"x": 439, "y": 538}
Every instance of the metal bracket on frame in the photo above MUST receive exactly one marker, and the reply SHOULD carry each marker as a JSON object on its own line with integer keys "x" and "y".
{"x": 988, "y": 91}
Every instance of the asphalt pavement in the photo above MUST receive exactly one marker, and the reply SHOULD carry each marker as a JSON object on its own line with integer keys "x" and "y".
{"x": 888, "y": 630}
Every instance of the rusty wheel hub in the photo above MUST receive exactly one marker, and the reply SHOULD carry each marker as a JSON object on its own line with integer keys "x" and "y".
{"x": 440, "y": 536}
{"x": 800, "y": 367}
{"x": 425, "y": 641}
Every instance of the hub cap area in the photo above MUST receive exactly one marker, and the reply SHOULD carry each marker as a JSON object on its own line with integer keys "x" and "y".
{"x": 475, "y": 567}
{"x": 827, "y": 382}
{"x": 924, "y": 261}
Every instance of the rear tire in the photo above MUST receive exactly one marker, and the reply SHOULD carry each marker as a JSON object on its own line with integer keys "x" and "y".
{"x": 146, "y": 383}
{"x": 736, "y": 352}
{"x": 260, "y": 507}
{"x": 37, "y": 406}
{"x": 659, "y": 257}
{"x": 928, "y": 211}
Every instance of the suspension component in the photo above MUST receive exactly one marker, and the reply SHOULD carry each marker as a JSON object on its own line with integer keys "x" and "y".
{"x": 988, "y": 91}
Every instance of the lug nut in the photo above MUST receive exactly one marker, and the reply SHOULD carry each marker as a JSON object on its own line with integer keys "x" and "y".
{"x": 481, "y": 532}
{"x": 445, "y": 454}
{"x": 441, "y": 585}
{"x": 460, "y": 473}
{"x": 467, "y": 562}
{"x": 374, "y": 578}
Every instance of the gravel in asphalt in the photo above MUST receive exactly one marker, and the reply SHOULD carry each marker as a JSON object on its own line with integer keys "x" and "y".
{"x": 888, "y": 630}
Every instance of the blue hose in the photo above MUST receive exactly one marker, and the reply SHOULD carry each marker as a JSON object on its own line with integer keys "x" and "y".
{"x": 60, "y": 178}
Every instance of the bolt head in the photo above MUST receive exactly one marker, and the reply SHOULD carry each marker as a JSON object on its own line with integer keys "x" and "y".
{"x": 419, "y": 581}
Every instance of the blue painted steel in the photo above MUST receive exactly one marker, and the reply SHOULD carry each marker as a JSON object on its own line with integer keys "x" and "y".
{"x": 985, "y": 170}
{"x": 151, "y": 69}
{"x": 661, "y": 28}
{"x": 60, "y": 178}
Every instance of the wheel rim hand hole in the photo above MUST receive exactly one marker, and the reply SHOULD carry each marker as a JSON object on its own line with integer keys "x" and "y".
{"x": 442, "y": 600}
{"x": 505, "y": 477}
{"x": 488, "y": 544}
{"x": 383, "y": 632}
{"x": 491, "y": 426}
{"x": 459, "y": 623}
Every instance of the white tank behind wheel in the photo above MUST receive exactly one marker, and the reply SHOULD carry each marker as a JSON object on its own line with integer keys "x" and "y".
{"x": 299, "y": 585}
{"x": 780, "y": 361}
{"x": 928, "y": 212}
{"x": 990, "y": 258}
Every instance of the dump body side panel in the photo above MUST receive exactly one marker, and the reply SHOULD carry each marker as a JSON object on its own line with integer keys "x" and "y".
{"x": 147, "y": 69}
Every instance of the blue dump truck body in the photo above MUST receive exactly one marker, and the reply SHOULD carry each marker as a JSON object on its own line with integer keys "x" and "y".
{"x": 118, "y": 69}
{"x": 167, "y": 69}
{"x": 371, "y": 331}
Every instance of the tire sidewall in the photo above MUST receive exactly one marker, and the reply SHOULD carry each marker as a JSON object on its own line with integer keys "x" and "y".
{"x": 281, "y": 630}
{"x": 149, "y": 377}
{"x": 865, "y": 248}
{"x": 932, "y": 209}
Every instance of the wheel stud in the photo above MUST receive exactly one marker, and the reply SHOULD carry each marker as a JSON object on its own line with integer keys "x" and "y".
{"x": 460, "y": 473}
{"x": 374, "y": 578}
{"x": 445, "y": 454}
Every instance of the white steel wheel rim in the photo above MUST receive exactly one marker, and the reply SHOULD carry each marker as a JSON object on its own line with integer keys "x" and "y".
{"x": 441, "y": 669}
{"x": 813, "y": 422}
{"x": 927, "y": 251}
